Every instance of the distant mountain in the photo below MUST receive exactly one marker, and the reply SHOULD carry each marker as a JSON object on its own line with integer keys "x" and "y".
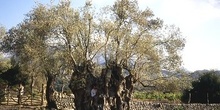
{"x": 194, "y": 75}
{"x": 178, "y": 74}
{"x": 198, "y": 73}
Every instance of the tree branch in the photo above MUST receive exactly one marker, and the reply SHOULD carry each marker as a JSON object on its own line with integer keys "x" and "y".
{"x": 145, "y": 85}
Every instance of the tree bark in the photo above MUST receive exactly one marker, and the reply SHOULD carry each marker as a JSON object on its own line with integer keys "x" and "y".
{"x": 81, "y": 84}
{"x": 32, "y": 84}
{"x": 51, "y": 103}
{"x": 207, "y": 98}
{"x": 80, "y": 91}
{"x": 113, "y": 89}
{"x": 79, "y": 99}
{"x": 20, "y": 93}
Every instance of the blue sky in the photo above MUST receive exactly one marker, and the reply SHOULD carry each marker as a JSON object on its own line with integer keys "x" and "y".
{"x": 199, "y": 21}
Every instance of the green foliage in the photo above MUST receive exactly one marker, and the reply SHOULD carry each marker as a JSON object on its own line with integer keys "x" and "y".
{"x": 56, "y": 38}
{"x": 172, "y": 85}
{"x": 2, "y": 31}
{"x": 157, "y": 96}
{"x": 179, "y": 108}
{"x": 2, "y": 88}
{"x": 13, "y": 76}
{"x": 4, "y": 64}
{"x": 205, "y": 90}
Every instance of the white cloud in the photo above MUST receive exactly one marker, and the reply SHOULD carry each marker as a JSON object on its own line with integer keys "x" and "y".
{"x": 197, "y": 20}
{"x": 187, "y": 14}
{"x": 210, "y": 10}
{"x": 215, "y": 3}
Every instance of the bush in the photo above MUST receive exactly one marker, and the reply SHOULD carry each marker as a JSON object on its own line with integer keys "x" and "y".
{"x": 14, "y": 76}
{"x": 158, "y": 96}
{"x": 205, "y": 90}
{"x": 139, "y": 95}
{"x": 2, "y": 88}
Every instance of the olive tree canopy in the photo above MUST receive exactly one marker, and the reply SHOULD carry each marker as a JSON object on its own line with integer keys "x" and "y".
{"x": 109, "y": 50}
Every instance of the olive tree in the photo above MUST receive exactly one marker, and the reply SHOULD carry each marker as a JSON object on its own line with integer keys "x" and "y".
{"x": 30, "y": 43}
{"x": 2, "y": 31}
{"x": 132, "y": 43}
{"x": 5, "y": 62}
{"x": 106, "y": 53}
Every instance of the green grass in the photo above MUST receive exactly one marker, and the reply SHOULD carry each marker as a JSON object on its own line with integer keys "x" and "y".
{"x": 157, "y": 96}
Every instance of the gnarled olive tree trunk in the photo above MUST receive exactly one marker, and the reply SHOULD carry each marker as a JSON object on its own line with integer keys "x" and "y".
{"x": 81, "y": 84}
{"x": 112, "y": 88}
{"x": 118, "y": 87}
{"x": 51, "y": 103}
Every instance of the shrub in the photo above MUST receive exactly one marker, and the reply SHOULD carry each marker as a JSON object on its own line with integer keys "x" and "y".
{"x": 205, "y": 90}
{"x": 158, "y": 96}
{"x": 139, "y": 95}
{"x": 2, "y": 88}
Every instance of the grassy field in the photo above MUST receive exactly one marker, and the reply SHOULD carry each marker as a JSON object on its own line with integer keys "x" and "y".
{"x": 158, "y": 96}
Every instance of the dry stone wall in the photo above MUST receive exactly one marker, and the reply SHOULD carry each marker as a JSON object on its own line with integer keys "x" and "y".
{"x": 143, "y": 105}
{"x": 66, "y": 103}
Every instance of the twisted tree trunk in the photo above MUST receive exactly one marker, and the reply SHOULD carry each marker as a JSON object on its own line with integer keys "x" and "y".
{"x": 81, "y": 85}
{"x": 51, "y": 103}
{"x": 20, "y": 93}
{"x": 119, "y": 88}
{"x": 113, "y": 87}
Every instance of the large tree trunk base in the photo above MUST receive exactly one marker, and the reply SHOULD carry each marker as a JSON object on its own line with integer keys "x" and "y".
{"x": 113, "y": 89}
{"x": 51, "y": 103}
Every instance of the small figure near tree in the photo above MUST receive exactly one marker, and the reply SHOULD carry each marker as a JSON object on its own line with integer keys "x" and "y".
{"x": 94, "y": 97}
